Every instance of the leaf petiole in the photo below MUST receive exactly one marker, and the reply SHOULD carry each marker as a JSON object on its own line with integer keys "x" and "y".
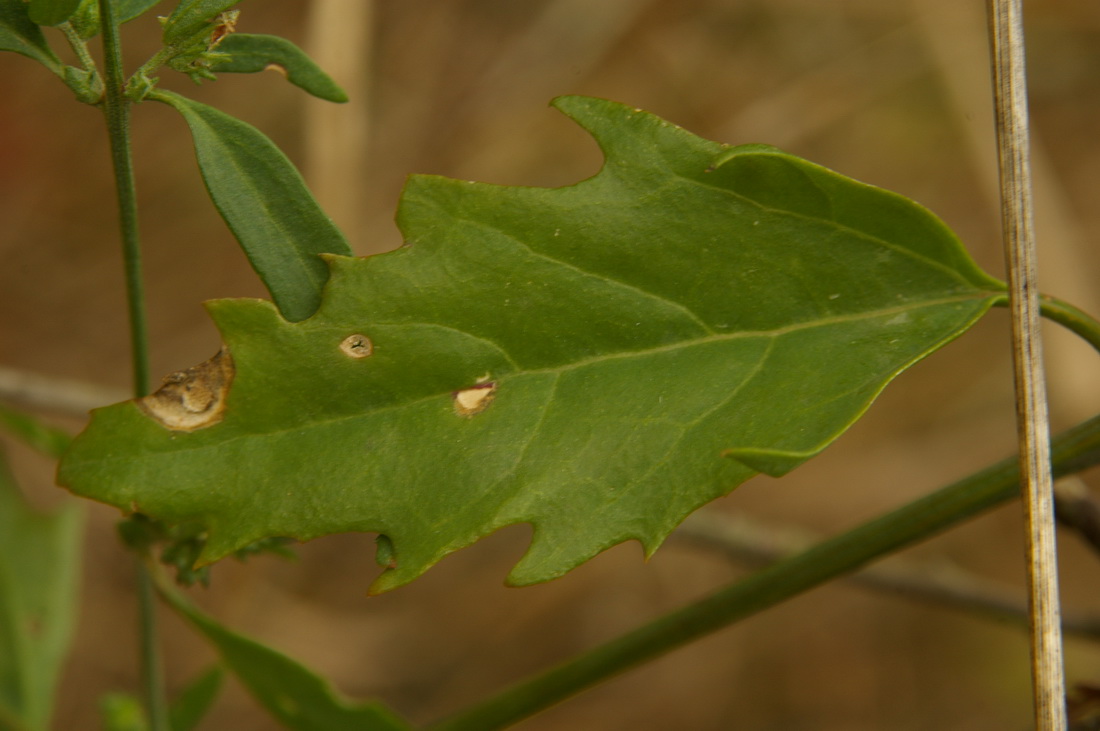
{"x": 1077, "y": 321}
{"x": 79, "y": 46}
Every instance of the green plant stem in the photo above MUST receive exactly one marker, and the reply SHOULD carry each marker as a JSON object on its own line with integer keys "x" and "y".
{"x": 1077, "y": 321}
{"x": 116, "y": 111}
{"x": 1072, "y": 451}
{"x": 151, "y": 670}
{"x": 158, "y": 59}
{"x": 80, "y": 48}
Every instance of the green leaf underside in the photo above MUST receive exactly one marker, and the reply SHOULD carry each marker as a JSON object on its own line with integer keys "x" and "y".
{"x": 266, "y": 205}
{"x": 19, "y": 34}
{"x": 51, "y": 12}
{"x": 191, "y": 17}
{"x": 38, "y": 579}
{"x": 299, "y": 698}
{"x": 248, "y": 54}
{"x": 127, "y": 10}
{"x": 692, "y": 315}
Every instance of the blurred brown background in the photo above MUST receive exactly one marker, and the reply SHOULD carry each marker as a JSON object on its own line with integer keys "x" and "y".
{"x": 895, "y": 94}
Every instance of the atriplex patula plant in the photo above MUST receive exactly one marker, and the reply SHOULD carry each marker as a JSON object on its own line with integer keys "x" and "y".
{"x": 597, "y": 361}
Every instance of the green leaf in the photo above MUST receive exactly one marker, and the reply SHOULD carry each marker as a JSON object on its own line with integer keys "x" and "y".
{"x": 47, "y": 439}
{"x": 188, "y": 710}
{"x": 86, "y": 18}
{"x": 249, "y": 54}
{"x": 38, "y": 582}
{"x": 19, "y": 34}
{"x": 192, "y": 17}
{"x": 597, "y": 360}
{"x": 127, "y": 10}
{"x": 51, "y": 12}
{"x": 122, "y": 712}
{"x": 295, "y": 695}
{"x": 266, "y": 205}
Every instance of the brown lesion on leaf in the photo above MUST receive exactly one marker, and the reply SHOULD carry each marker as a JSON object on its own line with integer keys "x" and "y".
{"x": 357, "y": 346}
{"x": 194, "y": 398}
{"x": 224, "y": 25}
{"x": 472, "y": 401}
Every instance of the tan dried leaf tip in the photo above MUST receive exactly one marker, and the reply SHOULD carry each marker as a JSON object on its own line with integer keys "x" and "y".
{"x": 357, "y": 346}
{"x": 224, "y": 25}
{"x": 474, "y": 400}
{"x": 194, "y": 398}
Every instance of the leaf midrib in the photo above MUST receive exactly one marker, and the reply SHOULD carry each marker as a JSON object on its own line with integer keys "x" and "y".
{"x": 576, "y": 365}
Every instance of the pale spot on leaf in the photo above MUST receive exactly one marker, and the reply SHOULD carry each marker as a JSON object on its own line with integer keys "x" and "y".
{"x": 475, "y": 399}
{"x": 194, "y": 398}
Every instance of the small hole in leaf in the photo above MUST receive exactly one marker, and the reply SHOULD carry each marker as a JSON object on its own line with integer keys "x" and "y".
{"x": 357, "y": 346}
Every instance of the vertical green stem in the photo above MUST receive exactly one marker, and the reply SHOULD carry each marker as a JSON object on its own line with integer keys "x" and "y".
{"x": 116, "y": 110}
{"x": 151, "y": 671}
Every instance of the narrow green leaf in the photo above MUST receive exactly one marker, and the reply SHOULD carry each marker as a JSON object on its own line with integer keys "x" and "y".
{"x": 38, "y": 582}
{"x": 597, "y": 360}
{"x": 190, "y": 18}
{"x": 20, "y": 34}
{"x": 266, "y": 204}
{"x": 299, "y": 698}
{"x": 247, "y": 54}
{"x": 47, "y": 439}
{"x": 195, "y": 701}
{"x": 51, "y": 12}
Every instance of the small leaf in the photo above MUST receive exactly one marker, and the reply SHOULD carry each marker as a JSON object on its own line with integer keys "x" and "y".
{"x": 51, "y": 12}
{"x": 38, "y": 582}
{"x": 295, "y": 695}
{"x": 597, "y": 360}
{"x": 195, "y": 700}
{"x": 248, "y": 54}
{"x": 191, "y": 17}
{"x": 127, "y": 10}
{"x": 122, "y": 712}
{"x": 19, "y": 34}
{"x": 266, "y": 205}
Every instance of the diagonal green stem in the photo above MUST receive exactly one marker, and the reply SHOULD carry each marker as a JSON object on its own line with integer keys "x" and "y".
{"x": 80, "y": 48}
{"x": 116, "y": 110}
{"x": 1077, "y": 321}
{"x": 1072, "y": 451}
{"x": 1080, "y": 323}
